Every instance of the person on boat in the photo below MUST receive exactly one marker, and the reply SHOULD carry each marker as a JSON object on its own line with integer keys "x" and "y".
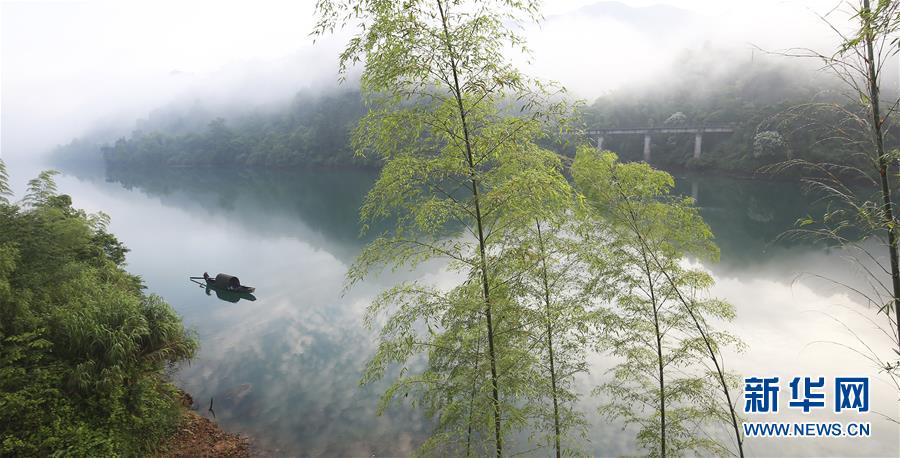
{"x": 205, "y": 276}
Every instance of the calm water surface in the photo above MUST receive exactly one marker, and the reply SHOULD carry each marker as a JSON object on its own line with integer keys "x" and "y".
{"x": 285, "y": 367}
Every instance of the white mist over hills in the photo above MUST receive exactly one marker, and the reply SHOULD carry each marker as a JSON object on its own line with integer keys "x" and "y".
{"x": 602, "y": 46}
{"x": 70, "y": 68}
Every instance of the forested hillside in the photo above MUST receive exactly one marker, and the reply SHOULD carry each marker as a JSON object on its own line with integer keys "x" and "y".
{"x": 311, "y": 130}
{"x": 777, "y": 107}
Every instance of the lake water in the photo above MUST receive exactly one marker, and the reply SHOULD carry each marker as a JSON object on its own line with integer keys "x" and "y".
{"x": 285, "y": 367}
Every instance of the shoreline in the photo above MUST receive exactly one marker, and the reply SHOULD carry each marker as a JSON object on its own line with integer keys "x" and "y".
{"x": 197, "y": 435}
{"x": 372, "y": 168}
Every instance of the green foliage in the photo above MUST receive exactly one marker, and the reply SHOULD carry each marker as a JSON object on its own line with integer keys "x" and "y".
{"x": 658, "y": 326}
{"x": 427, "y": 188}
{"x": 770, "y": 144}
{"x": 466, "y": 180}
{"x": 5, "y": 191}
{"x": 558, "y": 300}
{"x": 83, "y": 351}
{"x": 41, "y": 189}
{"x": 457, "y": 127}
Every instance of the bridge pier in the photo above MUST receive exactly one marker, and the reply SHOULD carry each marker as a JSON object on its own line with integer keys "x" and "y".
{"x": 698, "y": 142}
{"x": 698, "y": 132}
{"x": 647, "y": 148}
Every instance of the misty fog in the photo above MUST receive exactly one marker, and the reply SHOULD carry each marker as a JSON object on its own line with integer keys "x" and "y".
{"x": 180, "y": 138}
{"x": 79, "y": 69}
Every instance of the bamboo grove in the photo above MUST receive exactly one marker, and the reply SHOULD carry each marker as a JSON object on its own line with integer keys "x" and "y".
{"x": 557, "y": 260}
{"x": 83, "y": 371}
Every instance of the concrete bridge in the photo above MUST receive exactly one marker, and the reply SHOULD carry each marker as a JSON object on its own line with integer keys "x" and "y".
{"x": 600, "y": 134}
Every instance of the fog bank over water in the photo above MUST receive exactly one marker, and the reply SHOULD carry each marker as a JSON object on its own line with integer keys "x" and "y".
{"x": 69, "y": 69}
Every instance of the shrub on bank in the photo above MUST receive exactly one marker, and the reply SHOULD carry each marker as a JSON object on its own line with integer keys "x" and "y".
{"x": 83, "y": 350}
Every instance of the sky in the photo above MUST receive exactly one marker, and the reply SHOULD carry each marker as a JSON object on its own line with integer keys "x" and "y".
{"x": 67, "y": 67}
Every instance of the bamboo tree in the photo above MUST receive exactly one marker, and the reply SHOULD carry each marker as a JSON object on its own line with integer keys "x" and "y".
{"x": 564, "y": 318}
{"x": 551, "y": 291}
{"x": 41, "y": 188}
{"x": 878, "y": 25}
{"x": 440, "y": 97}
{"x": 659, "y": 326}
{"x": 549, "y": 319}
{"x": 664, "y": 262}
{"x": 5, "y": 191}
{"x": 859, "y": 190}
{"x": 711, "y": 342}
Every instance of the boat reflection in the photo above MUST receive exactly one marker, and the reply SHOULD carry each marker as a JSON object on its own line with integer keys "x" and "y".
{"x": 225, "y": 295}
{"x": 230, "y": 296}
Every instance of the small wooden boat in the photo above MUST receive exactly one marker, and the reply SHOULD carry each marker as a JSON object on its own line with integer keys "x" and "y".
{"x": 225, "y": 282}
